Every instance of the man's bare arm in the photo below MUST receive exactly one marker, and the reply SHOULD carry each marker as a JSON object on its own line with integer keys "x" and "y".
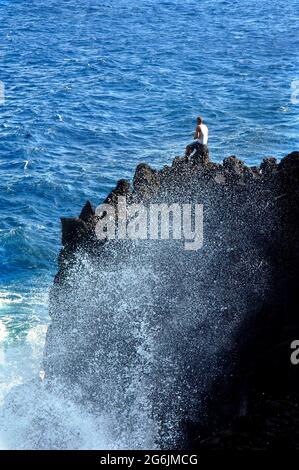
{"x": 197, "y": 132}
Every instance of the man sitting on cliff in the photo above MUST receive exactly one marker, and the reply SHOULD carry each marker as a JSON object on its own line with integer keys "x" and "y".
{"x": 200, "y": 141}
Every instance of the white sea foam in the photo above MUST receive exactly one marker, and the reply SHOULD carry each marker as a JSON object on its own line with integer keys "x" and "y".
{"x": 36, "y": 418}
{"x": 20, "y": 350}
{"x": 31, "y": 415}
{"x": 3, "y": 335}
{"x": 7, "y": 298}
{"x": 19, "y": 360}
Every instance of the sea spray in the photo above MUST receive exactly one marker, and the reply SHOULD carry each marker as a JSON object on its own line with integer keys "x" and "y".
{"x": 105, "y": 348}
{"x": 3, "y": 335}
{"x": 124, "y": 333}
{"x": 36, "y": 418}
{"x": 145, "y": 330}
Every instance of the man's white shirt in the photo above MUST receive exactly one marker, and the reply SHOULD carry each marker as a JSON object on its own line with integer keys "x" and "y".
{"x": 204, "y": 135}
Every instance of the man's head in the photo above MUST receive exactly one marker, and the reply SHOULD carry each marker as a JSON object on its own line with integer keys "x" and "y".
{"x": 199, "y": 120}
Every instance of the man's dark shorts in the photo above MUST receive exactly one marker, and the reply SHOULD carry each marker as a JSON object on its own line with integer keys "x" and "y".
{"x": 198, "y": 150}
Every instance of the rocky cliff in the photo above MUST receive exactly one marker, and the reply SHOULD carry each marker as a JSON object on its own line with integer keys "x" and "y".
{"x": 186, "y": 348}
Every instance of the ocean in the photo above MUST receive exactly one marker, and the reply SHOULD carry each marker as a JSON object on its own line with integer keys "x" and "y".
{"x": 90, "y": 89}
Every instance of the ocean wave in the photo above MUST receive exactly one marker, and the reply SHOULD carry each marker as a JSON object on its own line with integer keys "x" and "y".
{"x": 7, "y": 298}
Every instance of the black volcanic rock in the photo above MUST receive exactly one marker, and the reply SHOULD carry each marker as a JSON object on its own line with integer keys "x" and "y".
{"x": 146, "y": 180}
{"x": 74, "y": 231}
{"x": 87, "y": 212}
{"x": 122, "y": 189}
{"x": 199, "y": 340}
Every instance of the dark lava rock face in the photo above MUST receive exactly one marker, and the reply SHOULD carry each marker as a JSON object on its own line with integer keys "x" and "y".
{"x": 187, "y": 348}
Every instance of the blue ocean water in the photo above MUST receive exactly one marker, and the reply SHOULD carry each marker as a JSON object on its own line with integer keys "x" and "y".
{"x": 93, "y": 88}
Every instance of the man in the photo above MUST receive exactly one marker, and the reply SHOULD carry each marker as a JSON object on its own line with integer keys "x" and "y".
{"x": 200, "y": 141}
